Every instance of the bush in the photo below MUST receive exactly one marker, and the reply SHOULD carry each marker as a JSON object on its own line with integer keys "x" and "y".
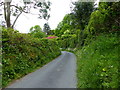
{"x": 67, "y": 41}
{"x": 22, "y": 54}
{"x": 98, "y": 63}
{"x": 37, "y": 32}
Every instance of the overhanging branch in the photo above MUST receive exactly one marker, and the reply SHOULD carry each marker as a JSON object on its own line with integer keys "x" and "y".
{"x": 16, "y": 19}
{"x": 1, "y": 3}
{"x": 20, "y": 9}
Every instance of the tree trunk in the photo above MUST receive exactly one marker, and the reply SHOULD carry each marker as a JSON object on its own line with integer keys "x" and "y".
{"x": 7, "y": 13}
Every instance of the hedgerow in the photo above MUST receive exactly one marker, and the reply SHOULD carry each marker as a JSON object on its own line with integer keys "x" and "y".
{"x": 22, "y": 54}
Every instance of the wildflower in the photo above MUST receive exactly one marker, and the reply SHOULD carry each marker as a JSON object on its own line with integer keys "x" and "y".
{"x": 51, "y": 37}
{"x": 104, "y": 69}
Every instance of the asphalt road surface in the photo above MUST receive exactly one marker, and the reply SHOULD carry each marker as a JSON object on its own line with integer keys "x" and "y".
{"x": 60, "y": 73}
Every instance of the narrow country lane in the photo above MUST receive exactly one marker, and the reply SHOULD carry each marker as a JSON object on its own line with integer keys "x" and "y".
{"x": 60, "y": 73}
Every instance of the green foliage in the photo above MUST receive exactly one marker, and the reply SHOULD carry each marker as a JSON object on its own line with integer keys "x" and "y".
{"x": 96, "y": 23}
{"x": 67, "y": 41}
{"x": 66, "y": 24}
{"x": 51, "y": 32}
{"x": 81, "y": 13}
{"x": 22, "y": 54}
{"x": 98, "y": 63}
{"x": 36, "y": 32}
{"x": 105, "y": 19}
{"x": 69, "y": 37}
{"x": 73, "y": 24}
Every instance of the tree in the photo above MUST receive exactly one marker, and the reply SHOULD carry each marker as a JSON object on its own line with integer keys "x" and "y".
{"x": 81, "y": 13}
{"x": 105, "y": 19}
{"x": 66, "y": 24}
{"x": 37, "y": 32}
{"x": 112, "y": 12}
{"x": 46, "y": 28}
{"x": 16, "y": 10}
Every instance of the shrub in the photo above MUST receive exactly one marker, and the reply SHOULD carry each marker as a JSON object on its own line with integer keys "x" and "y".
{"x": 37, "y": 32}
{"x": 22, "y": 53}
{"x": 67, "y": 41}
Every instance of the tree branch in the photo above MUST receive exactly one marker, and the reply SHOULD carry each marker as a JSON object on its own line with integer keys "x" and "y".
{"x": 21, "y": 9}
{"x": 1, "y": 3}
{"x": 16, "y": 19}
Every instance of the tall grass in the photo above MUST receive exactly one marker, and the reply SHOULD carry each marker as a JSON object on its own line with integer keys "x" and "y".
{"x": 99, "y": 63}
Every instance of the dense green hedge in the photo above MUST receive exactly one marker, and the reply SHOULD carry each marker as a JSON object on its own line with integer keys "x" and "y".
{"x": 67, "y": 41}
{"x": 22, "y": 54}
{"x": 98, "y": 63}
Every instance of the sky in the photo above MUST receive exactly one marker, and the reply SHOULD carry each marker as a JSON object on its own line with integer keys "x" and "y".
{"x": 59, "y": 9}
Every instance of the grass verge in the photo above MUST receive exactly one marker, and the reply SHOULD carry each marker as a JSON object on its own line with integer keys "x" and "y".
{"x": 98, "y": 63}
